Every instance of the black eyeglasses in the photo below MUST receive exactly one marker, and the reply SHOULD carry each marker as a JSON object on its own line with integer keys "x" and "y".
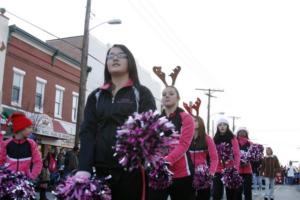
{"x": 119, "y": 56}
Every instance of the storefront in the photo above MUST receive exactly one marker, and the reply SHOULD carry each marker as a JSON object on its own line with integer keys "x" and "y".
{"x": 47, "y": 132}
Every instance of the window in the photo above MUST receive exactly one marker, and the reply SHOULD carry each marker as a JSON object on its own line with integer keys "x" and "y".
{"x": 59, "y": 101}
{"x": 39, "y": 94}
{"x": 17, "y": 87}
{"x": 74, "y": 106}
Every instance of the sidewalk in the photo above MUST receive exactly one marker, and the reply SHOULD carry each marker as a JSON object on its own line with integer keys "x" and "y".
{"x": 50, "y": 196}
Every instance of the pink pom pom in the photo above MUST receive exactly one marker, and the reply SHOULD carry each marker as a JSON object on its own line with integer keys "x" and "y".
{"x": 15, "y": 185}
{"x": 160, "y": 177}
{"x": 231, "y": 178}
{"x": 255, "y": 152}
{"x": 74, "y": 188}
{"x": 202, "y": 178}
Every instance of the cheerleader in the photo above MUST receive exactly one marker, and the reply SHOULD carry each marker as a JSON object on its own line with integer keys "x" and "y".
{"x": 179, "y": 158}
{"x": 203, "y": 152}
{"x": 245, "y": 167}
{"x": 107, "y": 108}
{"x": 225, "y": 135}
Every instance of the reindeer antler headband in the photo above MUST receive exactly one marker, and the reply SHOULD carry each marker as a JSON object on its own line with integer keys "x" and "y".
{"x": 195, "y": 106}
{"x": 162, "y": 75}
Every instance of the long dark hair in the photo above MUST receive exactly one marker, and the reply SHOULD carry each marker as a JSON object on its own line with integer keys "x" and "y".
{"x": 201, "y": 135}
{"x": 227, "y": 137}
{"x": 239, "y": 132}
{"x": 132, "y": 68}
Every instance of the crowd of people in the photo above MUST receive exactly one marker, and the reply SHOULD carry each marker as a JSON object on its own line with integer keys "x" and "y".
{"x": 107, "y": 108}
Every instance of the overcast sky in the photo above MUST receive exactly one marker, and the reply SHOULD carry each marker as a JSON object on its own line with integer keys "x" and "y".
{"x": 250, "y": 49}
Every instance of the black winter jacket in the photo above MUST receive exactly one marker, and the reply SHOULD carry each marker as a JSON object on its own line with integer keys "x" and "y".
{"x": 98, "y": 130}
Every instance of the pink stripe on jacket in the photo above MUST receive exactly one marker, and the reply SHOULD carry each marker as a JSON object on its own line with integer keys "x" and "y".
{"x": 236, "y": 157}
{"x": 199, "y": 157}
{"x": 177, "y": 157}
{"x": 23, "y": 164}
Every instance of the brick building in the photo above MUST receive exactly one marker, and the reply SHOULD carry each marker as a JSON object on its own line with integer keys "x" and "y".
{"x": 43, "y": 82}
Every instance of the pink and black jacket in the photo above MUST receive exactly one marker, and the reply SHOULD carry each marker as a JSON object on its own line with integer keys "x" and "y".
{"x": 233, "y": 142}
{"x": 202, "y": 156}
{"x": 179, "y": 157}
{"x": 21, "y": 155}
{"x": 244, "y": 145}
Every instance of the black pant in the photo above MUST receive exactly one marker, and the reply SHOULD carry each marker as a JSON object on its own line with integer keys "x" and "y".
{"x": 246, "y": 187}
{"x": 203, "y": 194}
{"x": 181, "y": 189}
{"x": 124, "y": 185}
{"x": 43, "y": 194}
{"x": 218, "y": 188}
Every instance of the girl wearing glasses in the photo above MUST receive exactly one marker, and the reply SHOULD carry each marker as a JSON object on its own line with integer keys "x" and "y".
{"x": 107, "y": 108}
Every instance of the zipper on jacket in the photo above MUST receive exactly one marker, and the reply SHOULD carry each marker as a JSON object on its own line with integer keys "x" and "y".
{"x": 18, "y": 149}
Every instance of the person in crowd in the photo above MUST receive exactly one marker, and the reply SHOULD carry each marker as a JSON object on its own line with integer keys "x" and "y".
{"x": 44, "y": 180}
{"x": 61, "y": 159}
{"x": 1, "y": 141}
{"x": 20, "y": 153}
{"x": 179, "y": 158}
{"x": 107, "y": 108}
{"x": 225, "y": 135}
{"x": 245, "y": 168}
{"x": 257, "y": 178}
{"x": 71, "y": 160}
{"x": 270, "y": 166}
{"x": 203, "y": 152}
{"x": 291, "y": 171}
{"x": 52, "y": 165}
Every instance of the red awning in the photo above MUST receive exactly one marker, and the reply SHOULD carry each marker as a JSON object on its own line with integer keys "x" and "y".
{"x": 57, "y": 127}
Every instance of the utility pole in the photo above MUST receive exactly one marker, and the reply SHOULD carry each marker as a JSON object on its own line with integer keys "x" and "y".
{"x": 83, "y": 71}
{"x": 209, "y": 95}
{"x": 233, "y": 122}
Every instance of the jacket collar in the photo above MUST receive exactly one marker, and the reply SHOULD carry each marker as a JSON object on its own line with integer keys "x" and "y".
{"x": 108, "y": 85}
{"x": 21, "y": 141}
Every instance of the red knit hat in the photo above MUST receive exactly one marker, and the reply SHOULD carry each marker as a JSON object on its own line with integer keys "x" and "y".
{"x": 19, "y": 121}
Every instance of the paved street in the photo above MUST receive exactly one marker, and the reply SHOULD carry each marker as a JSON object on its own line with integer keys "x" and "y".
{"x": 50, "y": 196}
{"x": 282, "y": 192}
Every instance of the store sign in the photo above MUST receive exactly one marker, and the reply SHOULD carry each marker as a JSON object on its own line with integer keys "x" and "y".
{"x": 49, "y": 132}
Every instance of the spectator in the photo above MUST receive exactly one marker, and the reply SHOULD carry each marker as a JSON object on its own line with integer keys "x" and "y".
{"x": 61, "y": 159}
{"x": 51, "y": 157}
{"x": 270, "y": 166}
{"x": 71, "y": 160}
{"x": 44, "y": 180}
{"x": 291, "y": 171}
{"x": 20, "y": 153}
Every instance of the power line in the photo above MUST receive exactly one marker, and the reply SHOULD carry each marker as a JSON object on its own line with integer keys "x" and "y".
{"x": 209, "y": 95}
{"x": 59, "y": 38}
{"x": 173, "y": 36}
{"x": 174, "y": 42}
{"x": 233, "y": 121}
{"x": 165, "y": 39}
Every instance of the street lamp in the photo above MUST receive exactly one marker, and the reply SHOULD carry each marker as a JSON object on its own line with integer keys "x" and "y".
{"x": 112, "y": 22}
{"x": 84, "y": 67}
